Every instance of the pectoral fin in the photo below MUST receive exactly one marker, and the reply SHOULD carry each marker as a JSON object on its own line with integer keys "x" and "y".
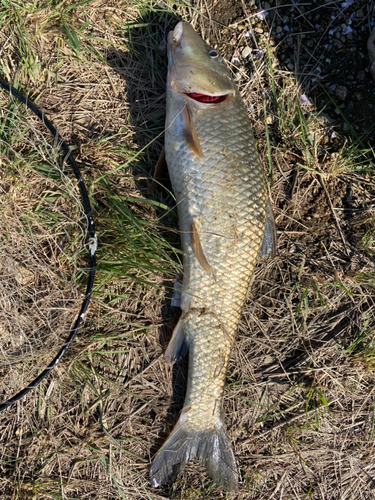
{"x": 189, "y": 134}
{"x": 161, "y": 172}
{"x": 269, "y": 243}
{"x": 198, "y": 250}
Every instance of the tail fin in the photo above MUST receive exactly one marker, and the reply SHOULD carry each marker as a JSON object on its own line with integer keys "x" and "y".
{"x": 211, "y": 447}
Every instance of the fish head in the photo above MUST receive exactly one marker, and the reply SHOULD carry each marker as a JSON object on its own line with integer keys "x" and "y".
{"x": 196, "y": 69}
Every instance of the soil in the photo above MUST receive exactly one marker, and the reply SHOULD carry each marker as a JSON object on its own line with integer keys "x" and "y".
{"x": 324, "y": 44}
{"x": 227, "y": 12}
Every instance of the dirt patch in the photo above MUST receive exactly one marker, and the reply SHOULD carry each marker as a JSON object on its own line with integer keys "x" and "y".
{"x": 227, "y": 12}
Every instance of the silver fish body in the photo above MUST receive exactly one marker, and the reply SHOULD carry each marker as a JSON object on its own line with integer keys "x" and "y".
{"x": 221, "y": 195}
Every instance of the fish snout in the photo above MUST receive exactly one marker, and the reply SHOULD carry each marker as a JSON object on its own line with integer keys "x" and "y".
{"x": 177, "y": 34}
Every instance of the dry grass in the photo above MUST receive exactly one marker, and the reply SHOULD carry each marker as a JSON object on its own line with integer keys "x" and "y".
{"x": 300, "y": 403}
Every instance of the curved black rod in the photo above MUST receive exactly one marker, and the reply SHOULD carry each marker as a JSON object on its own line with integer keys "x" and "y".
{"x": 92, "y": 246}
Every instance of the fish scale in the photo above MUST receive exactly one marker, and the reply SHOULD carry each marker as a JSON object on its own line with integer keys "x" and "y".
{"x": 226, "y": 195}
{"x": 221, "y": 197}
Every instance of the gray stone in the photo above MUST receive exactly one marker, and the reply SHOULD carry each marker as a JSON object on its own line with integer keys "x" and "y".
{"x": 246, "y": 52}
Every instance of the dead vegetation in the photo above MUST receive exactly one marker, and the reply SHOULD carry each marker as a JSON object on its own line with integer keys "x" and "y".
{"x": 300, "y": 399}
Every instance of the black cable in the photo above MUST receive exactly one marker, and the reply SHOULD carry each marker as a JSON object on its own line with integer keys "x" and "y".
{"x": 92, "y": 246}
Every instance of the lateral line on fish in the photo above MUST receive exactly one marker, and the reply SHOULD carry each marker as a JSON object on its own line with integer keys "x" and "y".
{"x": 189, "y": 134}
{"x": 198, "y": 250}
{"x": 206, "y": 232}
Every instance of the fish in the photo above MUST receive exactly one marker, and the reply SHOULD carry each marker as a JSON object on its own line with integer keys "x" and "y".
{"x": 226, "y": 222}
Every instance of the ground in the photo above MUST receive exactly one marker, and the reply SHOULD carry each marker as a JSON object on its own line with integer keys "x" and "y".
{"x": 300, "y": 398}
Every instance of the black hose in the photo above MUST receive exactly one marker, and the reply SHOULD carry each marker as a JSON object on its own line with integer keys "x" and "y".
{"x": 92, "y": 247}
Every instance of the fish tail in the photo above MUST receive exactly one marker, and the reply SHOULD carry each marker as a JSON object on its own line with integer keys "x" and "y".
{"x": 211, "y": 446}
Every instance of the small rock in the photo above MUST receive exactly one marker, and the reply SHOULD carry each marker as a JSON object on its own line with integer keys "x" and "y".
{"x": 23, "y": 276}
{"x": 261, "y": 14}
{"x": 279, "y": 29}
{"x": 338, "y": 44}
{"x": 360, "y": 14}
{"x": 341, "y": 92}
{"x": 258, "y": 30}
{"x": 350, "y": 36}
{"x": 317, "y": 71}
{"x": 290, "y": 66}
{"x": 269, "y": 120}
{"x": 361, "y": 75}
{"x": 338, "y": 34}
{"x": 303, "y": 100}
{"x": 246, "y": 52}
{"x": 235, "y": 58}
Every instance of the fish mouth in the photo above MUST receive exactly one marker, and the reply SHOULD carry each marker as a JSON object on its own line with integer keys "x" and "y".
{"x": 208, "y": 99}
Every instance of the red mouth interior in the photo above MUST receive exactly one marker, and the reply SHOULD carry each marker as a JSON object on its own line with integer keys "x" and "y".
{"x": 208, "y": 99}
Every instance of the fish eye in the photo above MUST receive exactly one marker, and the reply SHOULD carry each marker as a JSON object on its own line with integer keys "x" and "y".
{"x": 213, "y": 53}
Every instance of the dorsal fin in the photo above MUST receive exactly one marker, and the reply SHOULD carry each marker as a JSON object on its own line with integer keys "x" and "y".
{"x": 189, "y": 134}
{"x": 198, "y": 250}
